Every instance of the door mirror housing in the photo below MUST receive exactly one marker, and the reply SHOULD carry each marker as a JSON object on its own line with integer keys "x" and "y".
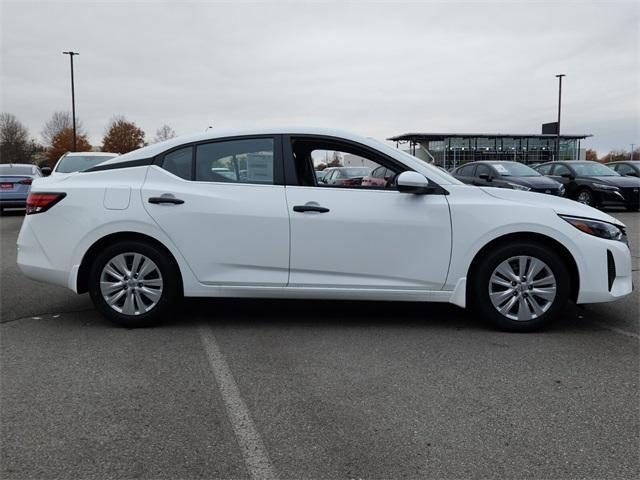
{"x": 414, "y": 182}
{"x": 486, "y": 176}
{"x": 46, "y": 171}
{"x": 568, "y": 175}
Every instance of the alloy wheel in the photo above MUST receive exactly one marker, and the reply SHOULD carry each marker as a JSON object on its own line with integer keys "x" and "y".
{"x": 522, "y": 288}
{"x": 585, "y": 197}
{"x": 131, "y": 283}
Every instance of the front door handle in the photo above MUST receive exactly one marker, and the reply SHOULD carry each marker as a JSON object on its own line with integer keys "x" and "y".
{"x": 167, "y": 199}
{"x": 310, "y": 208}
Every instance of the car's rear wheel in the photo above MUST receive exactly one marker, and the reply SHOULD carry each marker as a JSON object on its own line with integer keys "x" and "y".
{"x": 520, "y": 287}
{"x": 133, "y": 284}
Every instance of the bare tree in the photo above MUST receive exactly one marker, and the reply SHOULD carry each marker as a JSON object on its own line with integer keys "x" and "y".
{"x": 58, "y": 122}
{"x": 165, "y": 132}
{"x": 15, "y": 146}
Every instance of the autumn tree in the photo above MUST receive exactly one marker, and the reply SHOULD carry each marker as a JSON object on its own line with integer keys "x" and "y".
{"x": 615, "y": 156}
{"x": 15, "y": 145}
{"x": 62, "y": 143}
{"x": 122, "y": 136}
{"x": 58, "y": 122}
{"x": 591, "y": 155}
{"x": 165, "y": 132}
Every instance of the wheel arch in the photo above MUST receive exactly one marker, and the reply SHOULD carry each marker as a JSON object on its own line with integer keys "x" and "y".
{"x": 82, "y": 282}
{"x": 530, "y": 237}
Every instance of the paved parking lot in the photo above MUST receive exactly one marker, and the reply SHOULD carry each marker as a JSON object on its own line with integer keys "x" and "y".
{"x": 284, "y": 389}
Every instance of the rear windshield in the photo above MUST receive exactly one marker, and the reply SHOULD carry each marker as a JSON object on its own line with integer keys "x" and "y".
{"x": 355, "y": 171}
{"x": 78, "y": 163}
{"x": 16, "y": 170}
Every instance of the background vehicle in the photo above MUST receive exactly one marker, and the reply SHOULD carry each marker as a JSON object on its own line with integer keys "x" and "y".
{"x": 629, "y": 168}
{"x": 144, "y": 229}
{"x": 15, "y": 184}
{"x": 504, "y": 174}
{"x": 594, "y": 184}
{"x": 346, "y": 176}
{"x": 80, "y": 161}
{"x": 320, "y": 174}
{"x": 379, "y": 177}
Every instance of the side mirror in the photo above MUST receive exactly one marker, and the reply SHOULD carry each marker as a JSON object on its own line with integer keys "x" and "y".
{"x": 413, "y": 182}
{"x": 486, "y": 176}
{"x": 631, "y": 174}
{"x": 568, "y": 175}
{"x": 46, "y": 171}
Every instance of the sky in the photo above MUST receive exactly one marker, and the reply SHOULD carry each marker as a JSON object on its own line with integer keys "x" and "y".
{"x": 375, "y": 68}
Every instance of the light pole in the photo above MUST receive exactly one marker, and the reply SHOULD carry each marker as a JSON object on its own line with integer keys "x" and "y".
{"x": 631, "y": 156}
{"x": 559, "y": 77}
{"x": 73, "y": 98}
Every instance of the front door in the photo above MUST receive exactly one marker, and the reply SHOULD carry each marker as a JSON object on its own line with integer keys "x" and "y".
{"x": 355, "y": 236}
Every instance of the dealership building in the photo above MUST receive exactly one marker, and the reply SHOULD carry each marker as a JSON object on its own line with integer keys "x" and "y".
{"x": 449, "y": 150}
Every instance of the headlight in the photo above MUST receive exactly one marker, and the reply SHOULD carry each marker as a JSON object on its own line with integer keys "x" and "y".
{"x": 518, "y": 187}
{"x": 602, "y": 186}
{"x": 597, "y": 228}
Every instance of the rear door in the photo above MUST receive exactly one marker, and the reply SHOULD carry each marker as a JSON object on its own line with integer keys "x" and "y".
{"x": 223, "y": 204}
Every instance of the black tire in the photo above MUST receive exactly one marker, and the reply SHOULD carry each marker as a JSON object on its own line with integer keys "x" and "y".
{"x": 588, "y": 194}
{"x": 478, "y": 293}
{"x": 169, "y": 276}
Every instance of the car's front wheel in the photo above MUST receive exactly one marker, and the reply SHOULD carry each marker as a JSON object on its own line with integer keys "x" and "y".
{"x": 520, "y": 287}
{"x": 586, "y": 197}
{"x": 133, "y": 284}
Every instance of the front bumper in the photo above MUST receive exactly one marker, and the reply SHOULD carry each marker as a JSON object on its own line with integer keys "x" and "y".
{"x": 598, "y": 282}
{"x": 623, "y": 196}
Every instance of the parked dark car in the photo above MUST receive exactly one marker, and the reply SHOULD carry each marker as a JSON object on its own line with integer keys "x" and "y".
{"x": 628, "y": 168}
{"x": 594, "y": 184}
{"x": 503, "y": 174}
{"x": 345, "y": 176}
{"x": 15, "y": 184}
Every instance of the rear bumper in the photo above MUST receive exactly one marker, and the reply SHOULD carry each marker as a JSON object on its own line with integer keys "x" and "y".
{"x": 13, "y": 203}
{"x": 34, "y": 262}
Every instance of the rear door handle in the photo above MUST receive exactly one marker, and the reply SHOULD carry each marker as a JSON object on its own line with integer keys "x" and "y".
{"x": 167, "y": 199}
{"x": 310, "y": 208}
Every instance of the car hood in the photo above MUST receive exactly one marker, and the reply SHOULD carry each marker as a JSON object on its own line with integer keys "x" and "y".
{"x": 561, "y": 206}
{"x": 533, "y": 182}
{"x": 617, "y": 181}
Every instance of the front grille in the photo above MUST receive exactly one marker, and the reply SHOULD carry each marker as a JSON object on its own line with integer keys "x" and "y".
{"x": 631, "y": 194}
{"x": 611, "y": 269}
{"x": 548, "y": 191}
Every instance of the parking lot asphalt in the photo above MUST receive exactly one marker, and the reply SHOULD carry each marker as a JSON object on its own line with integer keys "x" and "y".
{"x": 302, "y": 389}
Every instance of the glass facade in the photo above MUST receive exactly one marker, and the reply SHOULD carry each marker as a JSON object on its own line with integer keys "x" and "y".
{"x": 450, "y": 152}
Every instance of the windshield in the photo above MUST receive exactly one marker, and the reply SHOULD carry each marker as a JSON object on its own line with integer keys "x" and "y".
{"x": 594, "y": 170}
{"x": 356, "y": 172}
{"x": 78, "y": 163}
{"x": 16, "y": 169}
{"x": 514, "y": 170}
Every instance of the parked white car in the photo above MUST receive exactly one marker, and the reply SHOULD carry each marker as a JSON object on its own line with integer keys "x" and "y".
{"x": 239, "y": 214}
{"x": 79, "y": 161}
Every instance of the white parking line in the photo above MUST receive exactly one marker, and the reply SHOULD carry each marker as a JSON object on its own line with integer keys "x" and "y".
{"x": 616, "y": 329}
{"x": 253, "y": 450}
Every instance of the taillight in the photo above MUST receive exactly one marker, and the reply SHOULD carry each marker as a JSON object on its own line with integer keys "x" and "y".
{"x": 26, "y": 181}
{"x": 38, "y": 202}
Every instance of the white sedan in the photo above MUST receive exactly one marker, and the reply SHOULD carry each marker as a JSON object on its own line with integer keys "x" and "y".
{"x": 241, "y": 214}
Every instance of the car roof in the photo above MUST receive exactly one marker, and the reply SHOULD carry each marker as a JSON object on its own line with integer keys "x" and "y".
{"x": 90, "y": 154}
{"x": 18, "y": 165}
{"x": 214, "y": 133}
{"x": 623, "y": 161}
